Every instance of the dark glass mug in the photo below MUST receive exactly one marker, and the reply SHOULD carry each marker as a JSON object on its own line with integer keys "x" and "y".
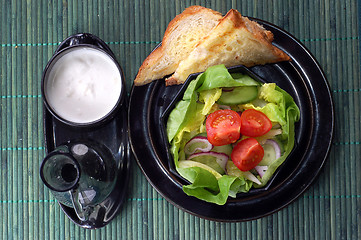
{"x": 79, "y": 175}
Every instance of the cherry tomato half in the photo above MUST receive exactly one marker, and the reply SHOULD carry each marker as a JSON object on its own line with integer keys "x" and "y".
{"x": 254, "y": 123}
{"x": 223, "y": 127}
{"x": 247, "y": 154}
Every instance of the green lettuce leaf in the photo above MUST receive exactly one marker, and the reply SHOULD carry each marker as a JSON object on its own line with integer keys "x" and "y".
{"x": 288, "y": 145}
{"x": 183, "y": 111}
{"x": 209, "y": 97}
{"x": 218, "y": 76}
{"x": 207, "y": 187}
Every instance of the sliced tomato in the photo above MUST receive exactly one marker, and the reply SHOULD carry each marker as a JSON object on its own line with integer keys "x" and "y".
{"x": 223, "y": 127}
{"x": 247, "y": 154}
{"x": 254, "y": 123}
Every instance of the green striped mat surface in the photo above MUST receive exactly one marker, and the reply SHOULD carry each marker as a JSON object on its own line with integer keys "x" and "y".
{"x": 31, "y": 30}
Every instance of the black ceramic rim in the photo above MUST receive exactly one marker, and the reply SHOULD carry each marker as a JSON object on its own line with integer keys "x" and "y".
{"x": 317, "y": 117}
{"x": 64, "y": 47}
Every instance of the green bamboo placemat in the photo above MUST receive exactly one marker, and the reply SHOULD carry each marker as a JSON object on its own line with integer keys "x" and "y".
{"x": 30, "y": 31}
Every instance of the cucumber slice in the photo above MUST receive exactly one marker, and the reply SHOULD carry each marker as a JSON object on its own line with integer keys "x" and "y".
{"x": 269, "y": 155}
{"x": 272, "y": 151}
{"x": 244, "y": 79}
{"x": 210, "y": 162}
{"x": 238, "y": 95}
{"x": 227, "y": 149}
{"x": 188, "y": 164}
{"x": 232, "y": 170}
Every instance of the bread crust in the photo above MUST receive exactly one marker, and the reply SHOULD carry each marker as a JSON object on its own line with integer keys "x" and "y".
{"x": 162, "y": 61}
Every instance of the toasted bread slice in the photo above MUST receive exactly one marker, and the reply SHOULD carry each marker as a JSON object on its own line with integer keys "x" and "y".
{"x": 235, "y": 40}
{"x": 180, "y": 38}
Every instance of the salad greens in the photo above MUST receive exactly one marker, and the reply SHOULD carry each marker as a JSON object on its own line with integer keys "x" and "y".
{"x": 187, "y": 120}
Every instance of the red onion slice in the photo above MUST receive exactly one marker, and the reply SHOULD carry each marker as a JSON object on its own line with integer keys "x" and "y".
{"x": 198, "y": 143}
{"x": 248, "y": 175}
{"x": 261, "y": 170}
{"x": 224, "y": 107}
{"x": 221, "y": 158}
{"x": 276, "y": 147}
{"x": 227, "y": 89}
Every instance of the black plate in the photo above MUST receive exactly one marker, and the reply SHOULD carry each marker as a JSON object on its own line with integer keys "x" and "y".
{"x": 302, "y": 78}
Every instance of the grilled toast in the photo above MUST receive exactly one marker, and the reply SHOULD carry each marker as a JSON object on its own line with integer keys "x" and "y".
{"x": 180, "y": 38}
{"x": 235, "y": 40}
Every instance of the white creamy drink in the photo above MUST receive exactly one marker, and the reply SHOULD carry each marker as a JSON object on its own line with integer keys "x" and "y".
{"x": 83, "y": 85}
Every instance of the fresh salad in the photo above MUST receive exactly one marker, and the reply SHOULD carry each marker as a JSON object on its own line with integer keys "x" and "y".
{"x": 230, "y": 133}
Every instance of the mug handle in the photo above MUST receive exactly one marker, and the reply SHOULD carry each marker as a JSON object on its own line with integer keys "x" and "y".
{"x": 85, "y": 39}
{"x": 82, "y": 210}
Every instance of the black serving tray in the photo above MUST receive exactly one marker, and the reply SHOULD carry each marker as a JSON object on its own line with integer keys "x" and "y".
{"x": 110, "y": 132}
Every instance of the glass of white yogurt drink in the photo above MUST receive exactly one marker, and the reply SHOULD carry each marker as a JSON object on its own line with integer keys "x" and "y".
{"x": 82, "y": 85}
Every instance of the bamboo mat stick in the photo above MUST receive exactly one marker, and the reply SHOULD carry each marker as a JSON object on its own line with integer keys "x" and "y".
{"x": 327, "y": 209}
